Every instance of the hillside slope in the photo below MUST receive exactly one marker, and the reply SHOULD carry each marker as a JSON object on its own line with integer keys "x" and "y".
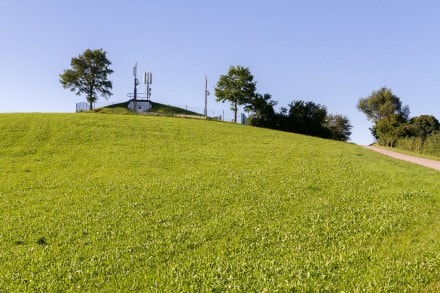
{"x": 119, "y": 202}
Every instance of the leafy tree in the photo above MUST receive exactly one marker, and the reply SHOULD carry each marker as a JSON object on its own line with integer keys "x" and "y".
{"x": 382, "y": 104}
{"x": 261, "y": 107}
{"x": 339, "y": 127}
{"x": 307, "y": 118}
{"x": 385, "y": 110}
{"x": 388, "y": 130}
{"x": 88, "y": 75}
{"x": 301, "y": 117}
{"x": 423, "y": 126}
{"x": 237, "y": 87}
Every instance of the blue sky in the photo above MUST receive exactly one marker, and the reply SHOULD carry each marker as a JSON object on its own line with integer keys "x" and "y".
{"x": 329, "y": 52}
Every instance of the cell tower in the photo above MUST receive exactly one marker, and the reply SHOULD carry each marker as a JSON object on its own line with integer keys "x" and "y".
{"x": 140, "y": 102}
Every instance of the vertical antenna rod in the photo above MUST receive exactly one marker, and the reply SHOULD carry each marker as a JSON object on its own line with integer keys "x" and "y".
{"x": 206, "y": 97}
{"x": 135, "y": 81}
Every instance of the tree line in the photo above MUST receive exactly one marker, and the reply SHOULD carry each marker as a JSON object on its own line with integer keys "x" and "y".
{"x": 89, "y": 76}
{"x": 392, "y": 125}
{"x": 304, "y": 117}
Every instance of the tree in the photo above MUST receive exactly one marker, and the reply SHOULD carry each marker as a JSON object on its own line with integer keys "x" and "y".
{"x": 385, "y": 110}
{"x": 339, "y": 127}
{"x": 423, "y": 126}
{"x": 388, "y": 130}
{"x": 237, "y": 87}
{"x": 261, "y": 107}
{"x": 307, "y": 118}
{"x": 88, "y": 75}
{"x": 382, "y": 104}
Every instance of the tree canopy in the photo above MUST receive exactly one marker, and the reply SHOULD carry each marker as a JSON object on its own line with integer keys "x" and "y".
{"x": 423, "y": 126}
{"x": 301, "y": 117}
{"x": 386, "y": 111}
{"x": 89, "y": 75}
{"x": 307, "y": 118}
{"x": 382, "y": 104}
{"x": 236, "y": 87}
{"x": 239, "y": 88}
{"x": 339, "y": 126}
{"x": 262, "y": 111}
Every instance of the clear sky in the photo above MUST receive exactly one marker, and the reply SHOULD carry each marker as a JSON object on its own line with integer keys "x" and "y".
{"x": 329, "y": 52}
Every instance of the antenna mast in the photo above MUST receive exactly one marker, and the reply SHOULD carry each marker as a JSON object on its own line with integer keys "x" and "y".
{"x": 135, "y": 84}
{"x": 206, "y": 96}
{"x": 148, "y": 80}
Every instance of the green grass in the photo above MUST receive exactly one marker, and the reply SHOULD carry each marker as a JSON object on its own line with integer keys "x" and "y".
{"x": 170, "y": 110}
{"x": 120, "y": 108}
{"x": 136, "y": 203}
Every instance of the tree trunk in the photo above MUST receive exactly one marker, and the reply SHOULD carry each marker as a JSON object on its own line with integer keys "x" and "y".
{"x": 90, "y": 100}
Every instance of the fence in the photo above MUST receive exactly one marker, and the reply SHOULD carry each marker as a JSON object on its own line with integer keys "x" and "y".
{"x": 219, "y": 114}
{"x": 82, "y": 107}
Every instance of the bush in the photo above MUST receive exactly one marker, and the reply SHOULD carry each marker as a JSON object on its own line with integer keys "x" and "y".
{"x": 412, "y": 144}
{"x": 431, "y": 146}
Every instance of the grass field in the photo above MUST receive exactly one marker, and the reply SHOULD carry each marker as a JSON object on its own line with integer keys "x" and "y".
{"x": 108, "y": 203}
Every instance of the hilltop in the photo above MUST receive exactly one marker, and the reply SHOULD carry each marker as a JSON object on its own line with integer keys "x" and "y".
{"x": 157, "y": 108}
{"x": 129, "y": 202}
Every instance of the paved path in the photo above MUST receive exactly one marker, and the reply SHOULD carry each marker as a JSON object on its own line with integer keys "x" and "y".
{"x": 416, "y": 160}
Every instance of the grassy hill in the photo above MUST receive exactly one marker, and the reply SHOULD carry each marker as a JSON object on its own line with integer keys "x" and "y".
{"x": 157, "y": 108}
{"x": 136, "y": 203}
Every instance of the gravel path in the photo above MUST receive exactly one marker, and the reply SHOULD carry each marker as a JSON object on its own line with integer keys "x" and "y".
{"x": 416, "y": 160}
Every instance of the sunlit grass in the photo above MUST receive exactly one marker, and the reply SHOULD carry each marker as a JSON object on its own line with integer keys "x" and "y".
{"x": 118, "y": 202}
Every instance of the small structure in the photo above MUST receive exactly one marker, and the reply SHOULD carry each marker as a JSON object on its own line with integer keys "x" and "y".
{"x": 244, "y": 119}
{"x": 82, "y": 107}
{"x": 139, "y": 106}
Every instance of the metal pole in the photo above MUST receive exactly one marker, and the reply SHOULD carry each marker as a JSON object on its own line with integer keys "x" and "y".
{"x": 135, "y": 86}
{"x": 206, "y": 96}
{"x": 135, "y": 81}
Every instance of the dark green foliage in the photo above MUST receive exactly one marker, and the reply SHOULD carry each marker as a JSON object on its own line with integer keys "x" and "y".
{"x": 237, "y": 87}
{"x": 89, "y": 75}
{"x": 301, "y": 117}
{"x": 263, "y": 113}
{"x": 339, "y": 127}
{"x": 307, "y": 118}
{"x": 423, "y": 126}
{"x": 421, "y": 134}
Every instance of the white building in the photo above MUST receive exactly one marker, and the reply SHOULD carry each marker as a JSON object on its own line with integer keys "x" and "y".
{"x": 139, "y": 106}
